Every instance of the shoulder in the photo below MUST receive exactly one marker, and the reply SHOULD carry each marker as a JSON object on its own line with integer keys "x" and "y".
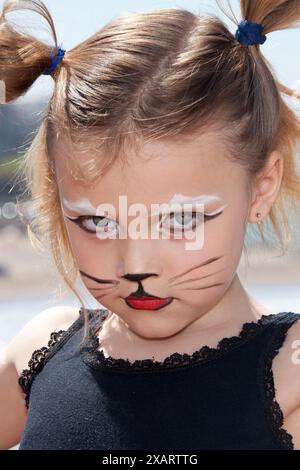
{"x": 286, "y": 364}
{"x": 286, "y": 374}
{"x": 14, "y": 358}
{"x": 36, "y": 333}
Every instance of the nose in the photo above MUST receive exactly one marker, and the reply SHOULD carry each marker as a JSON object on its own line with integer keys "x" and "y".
{"x": 139, "y": 259}
{"x": 138, "y": 277}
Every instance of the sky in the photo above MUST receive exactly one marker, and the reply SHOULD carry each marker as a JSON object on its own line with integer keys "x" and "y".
{"x": 76, "y": 20}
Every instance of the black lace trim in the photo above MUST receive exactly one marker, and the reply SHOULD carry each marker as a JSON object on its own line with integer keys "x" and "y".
{"x": 95, "y": 358}
{"x": 273, "y": 411}
{"x": 36, "y": 363}
{"x": 40, "y": 356}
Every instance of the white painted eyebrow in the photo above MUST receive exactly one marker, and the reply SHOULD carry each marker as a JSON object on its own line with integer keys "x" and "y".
{"x": 81, "y": 205}
{"x": 202, "y": 199}
{"x": 181, "y": 199}
{"x": 85, "y": 205}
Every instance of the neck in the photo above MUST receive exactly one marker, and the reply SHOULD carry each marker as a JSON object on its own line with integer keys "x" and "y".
{"x": 235, "y": 307}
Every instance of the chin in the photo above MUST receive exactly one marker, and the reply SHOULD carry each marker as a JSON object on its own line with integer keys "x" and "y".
{"x": 153, "y": 328}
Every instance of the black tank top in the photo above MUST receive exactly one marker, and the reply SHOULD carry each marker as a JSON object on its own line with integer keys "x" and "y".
{"x": 216, "y": 398}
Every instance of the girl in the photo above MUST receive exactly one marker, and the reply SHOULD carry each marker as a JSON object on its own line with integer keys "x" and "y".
{"x": 169, "y": 115}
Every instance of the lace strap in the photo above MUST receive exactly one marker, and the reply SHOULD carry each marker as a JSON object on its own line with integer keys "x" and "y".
{"x": 36, "y": 363}
{"x": 272, "y": 408}
{"x": 40, "y": 356}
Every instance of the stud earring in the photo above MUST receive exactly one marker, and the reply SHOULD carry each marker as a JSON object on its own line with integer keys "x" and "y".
{"x": 258, "y": 215}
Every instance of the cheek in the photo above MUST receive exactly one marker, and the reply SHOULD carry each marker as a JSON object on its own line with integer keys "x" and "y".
{"x": 90, "y": 253}
{"x": 80, "y": 243}
{"x": 85, "y": 250}
{"x": 226, "y": 237}
{"x": 223, "y": 238}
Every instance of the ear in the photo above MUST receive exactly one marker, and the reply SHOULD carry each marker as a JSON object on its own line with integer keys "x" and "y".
{"x": 266, "y": 186}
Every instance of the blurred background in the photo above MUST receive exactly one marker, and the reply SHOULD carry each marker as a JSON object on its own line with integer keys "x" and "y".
{"x": 28, "y": 280}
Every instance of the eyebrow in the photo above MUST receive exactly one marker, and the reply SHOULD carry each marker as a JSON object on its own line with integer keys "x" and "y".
{"x": 181, "y": 199}
{"x": 202, "y": 199}
{"x": 85, "y": 205}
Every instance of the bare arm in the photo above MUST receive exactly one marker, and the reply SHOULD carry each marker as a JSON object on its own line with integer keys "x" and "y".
{"x": 286, "y": 370}
{"x": 13, "y": 412}
{"x": 15, "y": 358}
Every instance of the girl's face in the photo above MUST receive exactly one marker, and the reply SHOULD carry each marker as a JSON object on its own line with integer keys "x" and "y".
{"x": 155, "y": 283}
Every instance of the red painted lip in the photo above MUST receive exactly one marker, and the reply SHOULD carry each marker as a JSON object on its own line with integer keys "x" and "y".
{"x": 147, "y": 302}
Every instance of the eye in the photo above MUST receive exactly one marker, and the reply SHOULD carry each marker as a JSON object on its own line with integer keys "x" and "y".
{"x": 181, "y": 221}
{"x": 184, "y": 221}
{"x": 95, "y": 224}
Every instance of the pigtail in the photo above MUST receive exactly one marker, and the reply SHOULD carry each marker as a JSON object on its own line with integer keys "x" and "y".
{"x": 276, "y": 121}
{"x": 274, "y": 15}
{"x": 23, "y": 58}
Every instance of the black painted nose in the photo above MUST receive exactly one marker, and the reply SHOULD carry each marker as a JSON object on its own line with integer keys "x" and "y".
{"x": 137, "y": 277}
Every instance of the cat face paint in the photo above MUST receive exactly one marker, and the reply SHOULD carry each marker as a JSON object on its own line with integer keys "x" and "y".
{"x": 156, "y": 286}
{"x": 83, "y": 206}
{"x": 176, "y": 204}
{"x": 141, "y": 300}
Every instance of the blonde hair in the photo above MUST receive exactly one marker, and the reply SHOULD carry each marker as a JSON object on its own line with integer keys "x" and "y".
{"x": 155, "y": 74}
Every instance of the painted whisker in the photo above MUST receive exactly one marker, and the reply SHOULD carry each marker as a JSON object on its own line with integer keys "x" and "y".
{"x": 206, "y": 287}
{"x": 198, "y": 278}
{"x": 209, "y": 261}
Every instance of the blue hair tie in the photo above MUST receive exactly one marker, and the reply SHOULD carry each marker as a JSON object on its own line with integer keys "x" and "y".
{"x": 250, "y": 33}
{"x": 55, "y": 59}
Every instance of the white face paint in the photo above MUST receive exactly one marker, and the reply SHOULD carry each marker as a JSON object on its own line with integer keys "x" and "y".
{"x": 182, "y": 199}
{"x": 83, "y": 205}
{"x": 202, "y": 199}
